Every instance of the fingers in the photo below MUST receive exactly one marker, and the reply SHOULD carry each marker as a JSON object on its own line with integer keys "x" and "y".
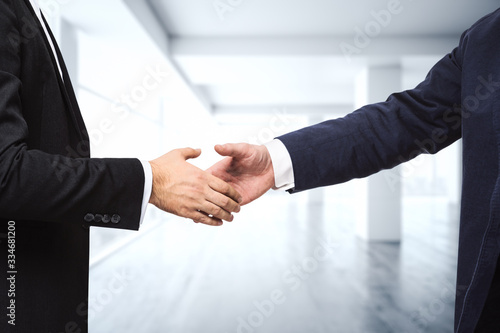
{"x": 188, "y": 153}
{"x": 228, "y": 191}
{"x": 236, "y": 150}
{"x": 201, "y": 217}
{"x": 220, "y": 201}
{"x": 190, "y": 192}
{"x": 214, "y": 211}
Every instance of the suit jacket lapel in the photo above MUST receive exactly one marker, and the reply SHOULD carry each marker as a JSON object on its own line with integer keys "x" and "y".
{"x": 43, "y": 35}
{"x": 66, "y": 86}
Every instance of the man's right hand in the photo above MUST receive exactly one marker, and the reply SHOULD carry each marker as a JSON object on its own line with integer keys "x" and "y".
{"x": 182, "y": 189}
{"x": 248, "y": 168}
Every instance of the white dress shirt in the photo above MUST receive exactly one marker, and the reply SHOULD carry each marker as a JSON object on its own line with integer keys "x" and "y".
{"x": 148, "y": 173}
{"x": 282, "y": 164}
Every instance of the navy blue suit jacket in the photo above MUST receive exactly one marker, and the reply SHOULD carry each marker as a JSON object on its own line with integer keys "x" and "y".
{"x": 460, "y": 98}
{"x": 49, "y": 186}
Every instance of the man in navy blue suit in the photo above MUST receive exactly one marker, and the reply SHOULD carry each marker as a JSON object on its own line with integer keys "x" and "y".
{"x": 460, "y": 98}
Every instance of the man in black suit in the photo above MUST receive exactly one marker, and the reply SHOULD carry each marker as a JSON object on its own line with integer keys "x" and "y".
{"x": 51, "y": 192}
{"x": 460, "y": 98}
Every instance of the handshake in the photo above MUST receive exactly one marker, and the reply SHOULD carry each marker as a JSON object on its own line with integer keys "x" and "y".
{"x": 211, "y": 196}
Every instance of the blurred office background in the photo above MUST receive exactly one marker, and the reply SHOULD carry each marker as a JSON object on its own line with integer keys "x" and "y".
{"x": 372, "y": 255}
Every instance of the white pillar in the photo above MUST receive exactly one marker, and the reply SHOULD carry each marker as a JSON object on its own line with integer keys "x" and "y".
{"x": 382, "y": 221}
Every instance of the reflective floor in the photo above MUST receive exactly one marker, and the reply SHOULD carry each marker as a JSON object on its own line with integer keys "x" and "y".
{"x": 283, "y": 266}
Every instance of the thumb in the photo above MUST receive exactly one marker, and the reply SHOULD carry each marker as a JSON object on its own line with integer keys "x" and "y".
{"x": 188, "y": 153}
{"x": 236, "y": 150}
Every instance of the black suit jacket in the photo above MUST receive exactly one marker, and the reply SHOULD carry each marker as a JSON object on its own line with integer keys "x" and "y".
{"x": 49, "y": 187}
{"x": 460, "y": 98}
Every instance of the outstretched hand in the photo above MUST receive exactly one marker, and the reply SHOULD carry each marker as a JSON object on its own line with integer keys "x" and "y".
{"x": 247, "y": 168}
{"x": 182, "y": 189}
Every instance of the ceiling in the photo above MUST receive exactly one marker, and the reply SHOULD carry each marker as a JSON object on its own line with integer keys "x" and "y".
{"x": 243, "y": 56}
{"x": 310, "y": 18}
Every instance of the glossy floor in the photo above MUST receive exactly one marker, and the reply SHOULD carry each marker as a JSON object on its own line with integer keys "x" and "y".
{"x": 283, "y": 266}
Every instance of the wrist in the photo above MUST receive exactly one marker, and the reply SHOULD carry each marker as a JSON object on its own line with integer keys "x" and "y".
{"x": 154, "y": 171}
{"x": 270, "y": 168}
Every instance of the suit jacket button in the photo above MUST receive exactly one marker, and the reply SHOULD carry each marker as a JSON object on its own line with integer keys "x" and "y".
{"x": 115, "y": 219}
{"x": 98, "y": 218}
{"x": 106, "y": 219}
{"x": 89, "y": 217}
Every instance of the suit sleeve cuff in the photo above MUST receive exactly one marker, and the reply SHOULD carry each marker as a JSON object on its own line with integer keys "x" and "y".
{"x": 282, "y": 165}
{"x": 148, "y": 186}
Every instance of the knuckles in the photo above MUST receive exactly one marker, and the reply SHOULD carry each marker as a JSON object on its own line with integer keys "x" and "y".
{"x": 225, "y": 202}
{"x": 218, "y": 212}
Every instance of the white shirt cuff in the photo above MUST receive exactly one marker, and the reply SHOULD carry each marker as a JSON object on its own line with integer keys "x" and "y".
{"x": 148, "y": 186}
{"x": 282, "y": 165}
